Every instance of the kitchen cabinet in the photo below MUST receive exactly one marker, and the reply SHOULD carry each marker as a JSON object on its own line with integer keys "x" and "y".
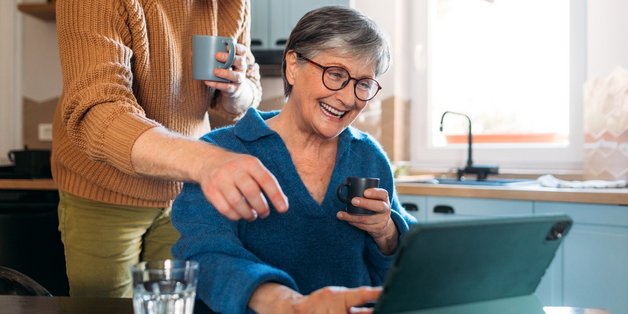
{"x": 592, "y": 266}
{"x": 273, "y": 20}
{"x": 29, "y": 239}
{"x": 260, "y": 24}
{"x": 433, "y": 208}
{"x": 415, "y": 205}
{"x": 440, "y": 208}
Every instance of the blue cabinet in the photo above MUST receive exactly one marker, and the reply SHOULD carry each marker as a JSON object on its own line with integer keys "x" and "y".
{"x": 273, "y": 20}
{"x": 419, "y": 203}
{"x": 260, "y": 27}
{"x": 439, "y": 208}
{"x": 592, "y": 267}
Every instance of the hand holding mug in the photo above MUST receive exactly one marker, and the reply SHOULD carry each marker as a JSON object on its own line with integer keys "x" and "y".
{"x": 374, "y": 205}
{"x": 204, "y": 52}
{"x": 355, "y": 187}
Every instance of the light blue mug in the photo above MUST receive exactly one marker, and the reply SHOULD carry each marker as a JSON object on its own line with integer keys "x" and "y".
{"x": 204, "y": 49}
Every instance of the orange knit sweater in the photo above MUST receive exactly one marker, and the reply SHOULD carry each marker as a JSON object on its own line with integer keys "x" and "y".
{"x": 127, "y": 67}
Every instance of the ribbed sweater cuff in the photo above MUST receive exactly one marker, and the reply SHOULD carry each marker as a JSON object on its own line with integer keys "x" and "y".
{"x": 120, "y": 136}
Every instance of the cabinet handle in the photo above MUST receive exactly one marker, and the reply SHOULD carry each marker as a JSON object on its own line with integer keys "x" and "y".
{"x": 410, "y": 207}
{"x": 444, "y": 209}
{"x": 281, "y": 42}
{"x": 256, "y": 42}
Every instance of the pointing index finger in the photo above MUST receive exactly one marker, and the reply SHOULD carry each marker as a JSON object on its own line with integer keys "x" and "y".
{"x": 271, "y": 188}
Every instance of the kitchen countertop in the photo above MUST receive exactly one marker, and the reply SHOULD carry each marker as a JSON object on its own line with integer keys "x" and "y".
{"x": 527, "y": 192}
{"x": 532, "y": 192}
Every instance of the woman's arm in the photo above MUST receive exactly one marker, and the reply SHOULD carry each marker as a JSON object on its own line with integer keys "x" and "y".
{"x": 229, "y": 273}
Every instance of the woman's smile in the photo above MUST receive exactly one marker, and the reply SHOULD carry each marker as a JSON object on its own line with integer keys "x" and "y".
{"x": 331, "y": 111}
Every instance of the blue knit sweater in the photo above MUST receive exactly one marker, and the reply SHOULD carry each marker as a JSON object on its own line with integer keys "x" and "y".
{"x": 306, "y": 248}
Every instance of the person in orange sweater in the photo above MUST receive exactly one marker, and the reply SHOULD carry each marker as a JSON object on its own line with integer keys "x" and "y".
{"x": 126, "y": 128}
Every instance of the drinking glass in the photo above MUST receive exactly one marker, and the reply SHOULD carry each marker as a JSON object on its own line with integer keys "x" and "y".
{"x": 164, "y": 286}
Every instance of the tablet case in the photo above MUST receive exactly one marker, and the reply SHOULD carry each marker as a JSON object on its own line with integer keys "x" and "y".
{"x": 472, "y": 266}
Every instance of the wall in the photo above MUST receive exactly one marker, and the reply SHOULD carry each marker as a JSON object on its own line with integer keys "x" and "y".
{"x": 41, "y": 70}
{"x": 35, "y": 76}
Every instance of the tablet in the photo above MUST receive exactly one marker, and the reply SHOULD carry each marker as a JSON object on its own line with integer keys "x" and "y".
{"x": 449, "y": 263}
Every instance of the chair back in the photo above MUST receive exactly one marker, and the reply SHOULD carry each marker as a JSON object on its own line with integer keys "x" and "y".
{"x": 12, "y": 282}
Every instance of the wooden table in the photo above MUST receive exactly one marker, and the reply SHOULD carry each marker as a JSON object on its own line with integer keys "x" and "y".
{"x": 11, "y": 304}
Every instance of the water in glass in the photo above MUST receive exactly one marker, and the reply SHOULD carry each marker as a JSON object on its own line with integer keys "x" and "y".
{"x": 164, "y": 297}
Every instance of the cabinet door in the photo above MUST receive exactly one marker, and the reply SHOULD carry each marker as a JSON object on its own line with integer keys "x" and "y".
{"x": 595, "y": 255}
{"x": 421, "y": 206}
{"x": 260, "y": 24}
{"x": 463, "y": 208}
{"x": 280, "y": 23}
{"x": 286, "y": 13}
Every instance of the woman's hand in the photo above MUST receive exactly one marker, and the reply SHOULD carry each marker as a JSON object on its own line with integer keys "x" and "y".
{"x": 237, "y": 96}
{"x": 277, "y": 299}
{"x": 379, "y": 225}
{"x": 339, "y": 300}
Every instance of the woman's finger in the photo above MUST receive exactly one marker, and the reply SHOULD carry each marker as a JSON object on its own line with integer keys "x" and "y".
{"x": 377, "y": 206}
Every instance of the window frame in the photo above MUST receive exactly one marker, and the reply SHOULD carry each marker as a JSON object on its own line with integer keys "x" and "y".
{"x": 507, "y": 156}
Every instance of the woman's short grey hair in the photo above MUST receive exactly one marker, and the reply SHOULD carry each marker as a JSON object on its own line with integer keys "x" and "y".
{"x": 344, "y": 30}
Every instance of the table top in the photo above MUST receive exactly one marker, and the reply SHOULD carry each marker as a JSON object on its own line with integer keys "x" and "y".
{"x": 10, "y": 304}
{"x": 56, "y": 305}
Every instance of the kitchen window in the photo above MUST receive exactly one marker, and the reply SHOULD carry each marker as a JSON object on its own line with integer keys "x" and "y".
{"x": 515, "y": 67}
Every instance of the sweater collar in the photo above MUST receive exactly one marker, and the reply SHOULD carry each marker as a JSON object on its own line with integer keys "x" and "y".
{"x": 253, "y": 127}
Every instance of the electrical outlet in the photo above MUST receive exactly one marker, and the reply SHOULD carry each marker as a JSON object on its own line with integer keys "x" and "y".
{"x": 44, "y": 132}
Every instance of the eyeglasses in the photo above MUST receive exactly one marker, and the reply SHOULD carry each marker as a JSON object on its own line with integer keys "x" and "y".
{"x": 336, "y": 78}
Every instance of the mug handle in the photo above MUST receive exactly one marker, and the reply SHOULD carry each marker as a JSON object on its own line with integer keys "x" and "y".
{"x": 341, "y": 195}
{"x": 232, "y": 52}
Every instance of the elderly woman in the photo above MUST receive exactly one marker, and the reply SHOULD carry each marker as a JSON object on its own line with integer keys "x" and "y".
{"x": 299, "y": 260}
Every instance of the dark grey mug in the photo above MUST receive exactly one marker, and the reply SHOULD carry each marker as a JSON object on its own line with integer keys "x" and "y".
{"x": 355, "y": 187}
{"x": 204, "y": 49}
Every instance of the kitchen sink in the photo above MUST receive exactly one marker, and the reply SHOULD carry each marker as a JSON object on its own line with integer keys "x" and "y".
{"x": 487, "y": 182}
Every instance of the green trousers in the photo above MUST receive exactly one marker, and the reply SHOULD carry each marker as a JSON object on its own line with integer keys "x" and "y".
{"x": 103, "y": 240}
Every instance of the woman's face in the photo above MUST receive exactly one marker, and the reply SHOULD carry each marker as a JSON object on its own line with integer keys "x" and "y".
{"x": 322, "y": 111}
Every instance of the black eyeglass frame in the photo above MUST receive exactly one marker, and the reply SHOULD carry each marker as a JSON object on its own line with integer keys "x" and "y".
{"x": 345, "y": 83}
